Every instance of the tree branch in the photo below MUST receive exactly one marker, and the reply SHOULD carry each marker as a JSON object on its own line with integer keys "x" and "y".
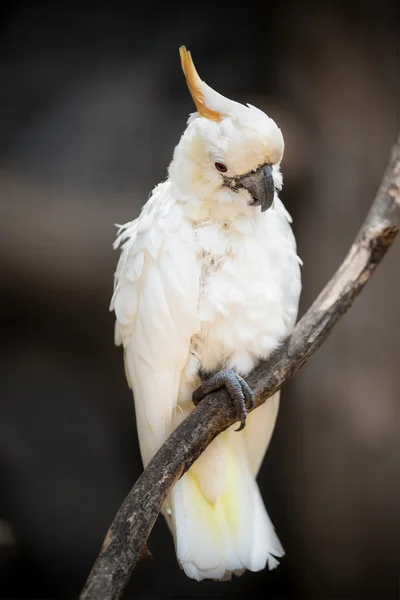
{"x": 125, "y": 541}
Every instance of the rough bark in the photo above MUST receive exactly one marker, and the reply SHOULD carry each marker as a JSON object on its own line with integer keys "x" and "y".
{"x": 125, "y": 542}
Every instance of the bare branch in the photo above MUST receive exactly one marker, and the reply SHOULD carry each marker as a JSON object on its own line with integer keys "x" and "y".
{"x": 126, "y": 539}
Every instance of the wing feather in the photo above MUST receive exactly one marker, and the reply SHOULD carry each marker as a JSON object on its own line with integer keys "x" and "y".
{"x": 156, "y": 307}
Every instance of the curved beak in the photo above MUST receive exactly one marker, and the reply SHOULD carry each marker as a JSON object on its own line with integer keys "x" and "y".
{"x": 259, "y": 184}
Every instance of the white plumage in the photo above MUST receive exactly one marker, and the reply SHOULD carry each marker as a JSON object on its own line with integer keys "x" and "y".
{"x": 206, "y": 280}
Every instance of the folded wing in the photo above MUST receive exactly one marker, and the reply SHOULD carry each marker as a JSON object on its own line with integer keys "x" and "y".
{"x": 155, "y": 302}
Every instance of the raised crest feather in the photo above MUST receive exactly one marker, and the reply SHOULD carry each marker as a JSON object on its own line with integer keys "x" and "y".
{"x": 195, "y": 84}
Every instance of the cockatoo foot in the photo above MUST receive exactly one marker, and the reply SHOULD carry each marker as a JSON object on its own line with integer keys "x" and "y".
{"x": 237, "y": 388}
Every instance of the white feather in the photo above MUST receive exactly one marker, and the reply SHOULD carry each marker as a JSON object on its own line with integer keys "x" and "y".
{"x": 230, "y": 532}
{"x": 154, "y": 314}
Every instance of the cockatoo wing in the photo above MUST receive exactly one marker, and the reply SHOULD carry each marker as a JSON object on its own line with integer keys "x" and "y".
{"x": 155, "y": 302}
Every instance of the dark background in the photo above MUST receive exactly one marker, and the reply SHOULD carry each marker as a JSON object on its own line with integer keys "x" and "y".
{"x": 92, "y": 102}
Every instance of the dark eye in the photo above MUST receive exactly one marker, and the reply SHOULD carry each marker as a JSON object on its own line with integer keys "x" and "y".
{"x": 221, "y": 167}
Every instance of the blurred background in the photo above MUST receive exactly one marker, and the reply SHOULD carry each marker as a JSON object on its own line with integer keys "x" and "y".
{"x": 92, "y": 103}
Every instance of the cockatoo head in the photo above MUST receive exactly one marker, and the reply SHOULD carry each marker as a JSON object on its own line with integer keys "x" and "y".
{"x": 227, "y": 148}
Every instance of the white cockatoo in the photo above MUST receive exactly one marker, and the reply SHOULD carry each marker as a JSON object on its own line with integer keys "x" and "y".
{"x": 207, "y": 285}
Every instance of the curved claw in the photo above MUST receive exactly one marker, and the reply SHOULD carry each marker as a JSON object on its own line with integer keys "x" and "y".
{"x": 242, "y": 423}
{"x": 237, "y": 388}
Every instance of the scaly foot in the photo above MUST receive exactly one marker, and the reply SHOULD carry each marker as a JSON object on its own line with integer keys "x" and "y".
{"x": 238, "y": 390}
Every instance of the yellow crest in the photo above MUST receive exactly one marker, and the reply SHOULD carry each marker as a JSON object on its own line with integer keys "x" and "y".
{"x": 195, "y": 84}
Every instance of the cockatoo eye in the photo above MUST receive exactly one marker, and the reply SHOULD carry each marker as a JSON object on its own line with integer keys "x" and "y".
{"x": 221, "y": 167}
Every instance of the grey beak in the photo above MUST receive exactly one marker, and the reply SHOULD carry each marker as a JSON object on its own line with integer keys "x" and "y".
{"x": 259, "y": 184}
